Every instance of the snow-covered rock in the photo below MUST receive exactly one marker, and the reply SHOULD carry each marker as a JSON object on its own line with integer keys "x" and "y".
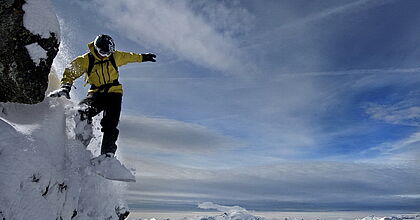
{"x": 29, "y": 33}
{"x": 41, "y": 10}
{"x": 43, "y": 170}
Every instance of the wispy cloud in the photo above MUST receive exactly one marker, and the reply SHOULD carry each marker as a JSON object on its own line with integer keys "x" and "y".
{"x": 362, "y": 72}
{"x": 210, "y": 205}
{"x": 157, "y": 135}
{"x": 351, "y": 7}
{"x": 343, "y": 9}
{"x": 188, "y": 29}
{"x": 405, "y": 112}
{"x": 403, "y": 152}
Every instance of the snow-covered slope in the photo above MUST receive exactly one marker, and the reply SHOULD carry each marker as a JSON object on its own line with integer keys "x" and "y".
{"x": 43, "y": 170}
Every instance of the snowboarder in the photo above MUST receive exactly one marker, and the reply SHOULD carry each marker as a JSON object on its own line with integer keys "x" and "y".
{"x": 100, "y": 65}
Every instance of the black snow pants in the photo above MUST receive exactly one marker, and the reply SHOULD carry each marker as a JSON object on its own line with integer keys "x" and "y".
{"x": 110, "y": 104}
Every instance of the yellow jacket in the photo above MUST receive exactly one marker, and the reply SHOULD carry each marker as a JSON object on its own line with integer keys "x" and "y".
{"x": 102, "y": 73}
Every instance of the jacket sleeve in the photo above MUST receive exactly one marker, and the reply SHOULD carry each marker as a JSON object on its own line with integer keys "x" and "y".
{"x": 75, "y": 69}
{"x": 122, "y": 58}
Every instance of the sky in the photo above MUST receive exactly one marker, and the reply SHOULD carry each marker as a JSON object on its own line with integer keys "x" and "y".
{"x": 273, "y": 105}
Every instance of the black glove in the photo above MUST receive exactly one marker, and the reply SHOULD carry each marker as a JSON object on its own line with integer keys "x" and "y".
{"x": 148, "y": 57}
{"x": 63, "y": 91}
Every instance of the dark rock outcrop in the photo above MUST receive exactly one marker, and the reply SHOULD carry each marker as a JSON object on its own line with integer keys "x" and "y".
{"x": 22, "y": 80}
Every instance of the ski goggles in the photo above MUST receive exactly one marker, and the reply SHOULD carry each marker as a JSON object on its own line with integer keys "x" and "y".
{"x": 103, "y": 52}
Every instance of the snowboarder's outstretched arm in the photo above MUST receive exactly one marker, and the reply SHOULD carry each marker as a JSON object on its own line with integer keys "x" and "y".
{"x": 122, "y": 58}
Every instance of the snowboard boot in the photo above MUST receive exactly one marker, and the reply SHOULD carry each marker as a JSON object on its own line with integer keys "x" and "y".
{"x": 101, "y": 158}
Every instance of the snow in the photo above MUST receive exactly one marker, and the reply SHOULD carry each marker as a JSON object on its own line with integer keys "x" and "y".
{"x": 36, "y": 52}
{"x": 44, "y": 172}
{"x": 111, "y": 168}
{"x": 40, "y": 18}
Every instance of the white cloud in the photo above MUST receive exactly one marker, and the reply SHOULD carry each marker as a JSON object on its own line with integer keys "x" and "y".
{"x": 156, "y": 134}
{"x": 173, "y": 26}
{"x": 227, "y": 17}
{"x": 401, "y": 152}
{"x": 406, "y": 112}
{"x": 362, "y": 72}
{"x": 349, "y": 8}
{"x": 210, "y": 205}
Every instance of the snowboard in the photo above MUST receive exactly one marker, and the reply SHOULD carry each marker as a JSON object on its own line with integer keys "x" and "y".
{"x": 109, "y": 167}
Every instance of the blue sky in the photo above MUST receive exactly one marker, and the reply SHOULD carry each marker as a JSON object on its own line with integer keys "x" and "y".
{"x": 271, "y": 105}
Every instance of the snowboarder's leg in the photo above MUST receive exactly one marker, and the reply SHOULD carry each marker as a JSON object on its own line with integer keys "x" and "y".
{"x": 88, "y": 108}
{"x": 109, "y": 123}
